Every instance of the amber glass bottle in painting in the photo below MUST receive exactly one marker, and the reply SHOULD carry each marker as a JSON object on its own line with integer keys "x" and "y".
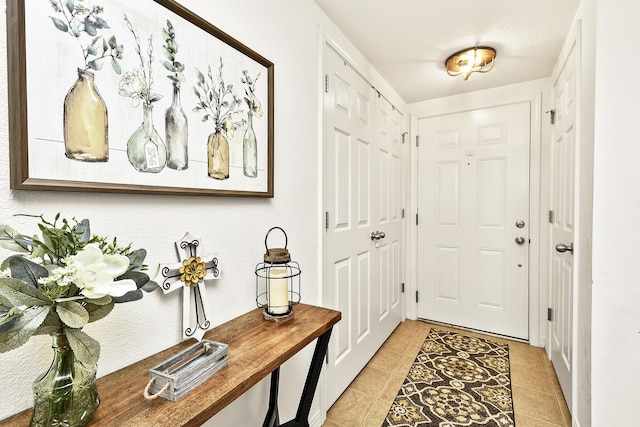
{"x": 85, "y": 121}
{"x": 218, "y": 156}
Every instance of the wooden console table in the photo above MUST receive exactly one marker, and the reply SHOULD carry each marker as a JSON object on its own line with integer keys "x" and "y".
{"x": 257, "y": 348}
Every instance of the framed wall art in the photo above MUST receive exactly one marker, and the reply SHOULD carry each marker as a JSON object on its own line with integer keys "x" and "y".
{"x": 135, "y": 96}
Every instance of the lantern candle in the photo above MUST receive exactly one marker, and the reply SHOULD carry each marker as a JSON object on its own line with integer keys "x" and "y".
{"x": 278, "y": 291}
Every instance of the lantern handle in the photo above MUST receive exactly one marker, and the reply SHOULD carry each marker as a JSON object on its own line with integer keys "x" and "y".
{"x": 267, "y": 236}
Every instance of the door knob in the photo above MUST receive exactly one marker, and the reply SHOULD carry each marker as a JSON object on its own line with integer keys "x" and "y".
{"x": 561, "y": 247}
{"x": 520, "y": 240}
{"x": 377, "y": 235}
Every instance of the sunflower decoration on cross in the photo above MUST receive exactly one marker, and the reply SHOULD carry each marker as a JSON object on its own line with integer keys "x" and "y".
{"x": 190, "y": 274}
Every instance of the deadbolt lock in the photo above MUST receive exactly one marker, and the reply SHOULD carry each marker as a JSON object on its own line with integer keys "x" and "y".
{"x": 520, "y": 224}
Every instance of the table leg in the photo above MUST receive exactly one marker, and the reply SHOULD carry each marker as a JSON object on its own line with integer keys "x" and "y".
{"x": 271, "y": 420}
{"x": 304, "y": 407}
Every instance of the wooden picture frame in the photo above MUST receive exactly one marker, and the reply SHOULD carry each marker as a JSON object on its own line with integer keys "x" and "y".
{"x": 63, "y": 138}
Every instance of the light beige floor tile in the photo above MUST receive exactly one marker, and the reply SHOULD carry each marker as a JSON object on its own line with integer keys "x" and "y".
{"x": 386, "y": 360}
{"x": 329, "y": 423}
{"x": 377, "y": 415}
{"x": 537, "y": 379}
{"x": 371, "y": 381}
{"x": 352, "y": 408}
{"x": 524, "y": 421}
{"x": 536, "y": 404}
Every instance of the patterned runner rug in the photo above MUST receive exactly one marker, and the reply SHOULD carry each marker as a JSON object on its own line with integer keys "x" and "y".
{"x": 455, "y": 381}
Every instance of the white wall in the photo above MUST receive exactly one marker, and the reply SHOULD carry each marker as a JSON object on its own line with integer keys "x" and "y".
{"x": 288, "y": 33}
{"x": 616, "y": 270}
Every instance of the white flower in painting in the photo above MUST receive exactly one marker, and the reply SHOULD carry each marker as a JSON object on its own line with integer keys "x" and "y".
{"x": 256, "y": 106}
{"x": 95, "y": 273}
{"x": 133, "y": 85}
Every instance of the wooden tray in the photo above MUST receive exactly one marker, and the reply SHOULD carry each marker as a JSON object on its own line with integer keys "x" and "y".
{"x": 178, "y": 375}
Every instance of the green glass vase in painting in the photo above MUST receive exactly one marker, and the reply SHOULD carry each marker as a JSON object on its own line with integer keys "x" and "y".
{"x": 250, "y": 149}
{"x": 146, "y": 149}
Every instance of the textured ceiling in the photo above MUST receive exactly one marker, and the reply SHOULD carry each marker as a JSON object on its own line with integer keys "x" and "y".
{"x": 407, "y": 41}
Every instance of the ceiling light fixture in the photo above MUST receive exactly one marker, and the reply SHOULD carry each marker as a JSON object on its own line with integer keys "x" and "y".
{"x": 479, "y": 59}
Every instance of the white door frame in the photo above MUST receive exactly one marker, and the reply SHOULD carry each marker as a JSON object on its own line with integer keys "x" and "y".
{"x": 526, "y": 92}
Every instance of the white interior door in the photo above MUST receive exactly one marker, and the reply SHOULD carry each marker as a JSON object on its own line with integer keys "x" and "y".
{"x": 563, "y": 216}
{"x": 473, "y": 228}
{"x": 362, "y": 196}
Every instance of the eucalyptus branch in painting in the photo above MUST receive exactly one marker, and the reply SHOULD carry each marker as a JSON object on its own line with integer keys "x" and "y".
{"x": 145, "y": 148}
{"x": 249, "y": 141}
{"x": 176, "y": 124}
{"x": 84, "y": 24}
{"x": 219, "y": 104}
{"x": 85, "y": 120}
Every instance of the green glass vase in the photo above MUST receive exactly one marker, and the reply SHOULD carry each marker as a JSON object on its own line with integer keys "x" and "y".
{"x": 65, "y": 395}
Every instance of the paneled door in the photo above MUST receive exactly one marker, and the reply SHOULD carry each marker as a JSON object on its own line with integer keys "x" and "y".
{"x": 563, "y": 155}
{"x": 473, "y": 219}
{"x": 362, "y": 256}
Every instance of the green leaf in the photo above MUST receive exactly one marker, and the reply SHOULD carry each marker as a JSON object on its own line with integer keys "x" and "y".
{"x": 112, "y": 42}
{"x": 168, "y": 65}
{"x": 75, "y": 30}
{"x": 85, "y": 348}
{"x": 150, "y": 286}
{"x": 129, "y": 296}
{"x": 84, "y": 230}
{"x": 97, "y": 312}
{"x": 101, "y": 23}
{"x": 70, "y": 4}
{"x": 5, "y": 304}
{"x": 27, "y": 271}
{"x": 94, "y": 65}
{"x": 59, "y": 24}
{"x": 116, "y": 66}
{"x": 155, "y": 97}
{"x": 20, "y": 293}
{"x": 105, "y": 300}
{"x": 136, "y": 258}
{"x": 51, "y": 324}
{"x": 89, "y": 27}
{"x": 23, "y": 328}
{"x": 12, "y": 240}
{"x": 72, "y": 314}
{"x": 92, "y": 50}
{"x": 200, "y": 76}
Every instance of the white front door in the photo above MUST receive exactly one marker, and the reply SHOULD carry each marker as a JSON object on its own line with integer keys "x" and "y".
{"x": 362, "y": 196}
{"x": 473, "y": 219}
{"x": 563, "y": 154}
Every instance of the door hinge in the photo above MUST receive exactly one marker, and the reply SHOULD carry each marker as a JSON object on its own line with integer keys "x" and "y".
{"x": 403, "y": 135}
{"x": 549, "y": 314}
{"x": 552, "y": 116}
{"x": 326, "y": 83}
{"x": 416, "y": 219}
{"x": 550, "y": 217}
{"x": 402, "y": 288}
{"x": 416, "y": 296}
{"x": 417, "y": 140}
{"x": 326, "y": 357}
{"x": 326, "y": 220}
{"x": 402, "y": 213}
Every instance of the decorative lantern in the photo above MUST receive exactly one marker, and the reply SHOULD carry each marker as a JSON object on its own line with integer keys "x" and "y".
{"x": 277, "y": 282}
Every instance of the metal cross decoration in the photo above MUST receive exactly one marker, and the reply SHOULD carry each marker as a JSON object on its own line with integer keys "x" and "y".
{"x": 190, "y": 274}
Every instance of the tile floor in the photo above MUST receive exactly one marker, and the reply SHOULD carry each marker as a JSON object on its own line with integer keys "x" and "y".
{"x": 538, "y": 401}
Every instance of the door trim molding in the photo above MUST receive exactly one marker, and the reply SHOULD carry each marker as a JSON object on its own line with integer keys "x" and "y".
{"x": 531, "y": 92}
